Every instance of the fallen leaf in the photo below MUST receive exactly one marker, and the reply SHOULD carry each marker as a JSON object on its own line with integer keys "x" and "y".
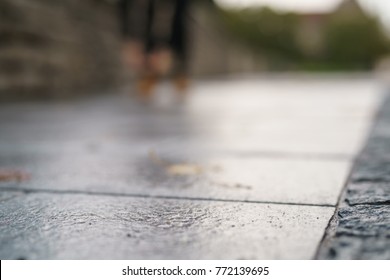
{"x": 8, "y": 175}
{"x": 180, "y": 169}
{"x": 184, "y": 169}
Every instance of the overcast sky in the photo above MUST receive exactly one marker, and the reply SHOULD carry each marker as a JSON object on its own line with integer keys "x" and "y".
{"x": 381, "y": 7}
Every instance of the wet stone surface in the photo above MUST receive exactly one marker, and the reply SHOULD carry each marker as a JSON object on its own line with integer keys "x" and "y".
{"x": 41, "y": 226}
{"x": 308, "y": 181}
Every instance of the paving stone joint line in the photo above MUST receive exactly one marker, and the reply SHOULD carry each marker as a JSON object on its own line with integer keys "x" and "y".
{"x": 74, "y": 192}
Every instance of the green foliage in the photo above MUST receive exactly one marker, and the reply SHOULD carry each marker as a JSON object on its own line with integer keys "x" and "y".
{"x": 354, "y": 42}
{"x": 265, "y": 30}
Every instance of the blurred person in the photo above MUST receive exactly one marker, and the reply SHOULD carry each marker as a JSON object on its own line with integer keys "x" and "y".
{"x": 155, "y": 33}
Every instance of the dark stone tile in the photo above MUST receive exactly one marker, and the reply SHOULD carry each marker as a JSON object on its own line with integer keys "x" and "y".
{"x": 309, "y": 181}
{"x": 358, "y": 248}
{"x": 364, "y": 220}
{"x": 47, "y": 226}
{"x": 368, "y": 193}
{"x": 371, "y": 170}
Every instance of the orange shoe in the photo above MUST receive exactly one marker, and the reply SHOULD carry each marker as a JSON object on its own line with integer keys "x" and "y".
{"x": 181, "y": 84}
{"x": 146, "y": 86}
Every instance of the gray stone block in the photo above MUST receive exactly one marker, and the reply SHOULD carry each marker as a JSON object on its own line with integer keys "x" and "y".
{"x": 371, "y": 170}
{"x": 368, "y": 193}
{"x": 364, "y": 220}
{"x": 358, "y": 248}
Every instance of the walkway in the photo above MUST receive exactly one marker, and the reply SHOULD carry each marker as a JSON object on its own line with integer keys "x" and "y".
{"x": 246, "y": 169}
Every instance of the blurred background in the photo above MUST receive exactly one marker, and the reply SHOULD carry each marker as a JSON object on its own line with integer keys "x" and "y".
{"x": 61, "y": 48}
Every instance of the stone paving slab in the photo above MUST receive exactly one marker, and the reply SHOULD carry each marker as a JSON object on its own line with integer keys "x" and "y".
{"x": 305, "y": 181}
{"x": 319, "y": 117}
{"x": 304, "y": 136}
{"x": 47, "y": 226}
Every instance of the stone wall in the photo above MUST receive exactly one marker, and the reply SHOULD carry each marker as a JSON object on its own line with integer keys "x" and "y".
{"x": 53, "y": 48}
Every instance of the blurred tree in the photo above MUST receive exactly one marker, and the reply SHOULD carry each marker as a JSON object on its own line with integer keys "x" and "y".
{"x": 265, "y": 30}
{"x": 345, "y": 39}
{"x": 354, "y": 42}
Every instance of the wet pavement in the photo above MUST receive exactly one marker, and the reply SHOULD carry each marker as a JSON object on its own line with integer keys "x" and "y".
{"x": 245, "y": 169}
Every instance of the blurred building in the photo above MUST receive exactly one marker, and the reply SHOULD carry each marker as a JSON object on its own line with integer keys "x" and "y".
{"x": 310, "y": 36}
{"x": 310, "y": 33}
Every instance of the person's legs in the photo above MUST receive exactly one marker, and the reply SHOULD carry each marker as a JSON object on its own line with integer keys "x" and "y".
{"x": 136, "y": 19}
{"x": 179, "y": 35}
{"x": 179, "y": 44}
{"x": 147, "y": 77}
{"x": 132, "y": 15}
{"x": 156, "y": 34}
